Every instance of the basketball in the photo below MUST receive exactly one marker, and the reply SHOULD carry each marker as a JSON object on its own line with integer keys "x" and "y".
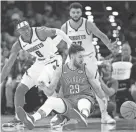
{"x": 128, "y": 110}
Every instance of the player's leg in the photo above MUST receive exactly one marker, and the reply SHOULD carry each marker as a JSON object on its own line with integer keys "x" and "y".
{"x": 27, "y": 82}
{"x": 52, "y": 103}
{"x": 86, "y": 106}
{"x": 45, "y": 78}
{"x": 91, "y": 63}
{"x": 71, "y": 113}
{"x": 9, "y": 93}
{"x": 47, "y": 73}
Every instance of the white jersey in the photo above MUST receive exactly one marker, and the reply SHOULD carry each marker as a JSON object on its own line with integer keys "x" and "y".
{"x": 40, "y": 49}
{"x": 81, "y": 36}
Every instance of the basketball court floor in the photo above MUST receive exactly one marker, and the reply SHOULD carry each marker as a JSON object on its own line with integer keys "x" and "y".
{"x": 122, "y": 125}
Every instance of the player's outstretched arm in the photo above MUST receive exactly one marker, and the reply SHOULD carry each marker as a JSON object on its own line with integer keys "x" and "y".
{"x": 44, "y": 32}
{"x": 64, "y": 28}
{"x": 54, "y": 81}
{"x": 13, "y": 55}
{"x": 95, "y": 85}
{"x": 109, "y": 91}
{"x": 92, "y": 28}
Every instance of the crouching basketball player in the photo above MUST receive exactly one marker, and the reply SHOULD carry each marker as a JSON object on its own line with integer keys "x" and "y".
{"x": 37, "y": 42}
{"x": 78, "y": 98}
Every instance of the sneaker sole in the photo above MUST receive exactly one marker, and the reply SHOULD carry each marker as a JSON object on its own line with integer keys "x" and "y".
{"x": 76, "y": 115}
{"x": 53, "y": 126}
{"x": 106, "y": 122}
{"x": 22, "y": 115}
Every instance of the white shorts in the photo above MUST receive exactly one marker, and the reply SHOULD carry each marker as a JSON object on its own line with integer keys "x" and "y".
{"x": 40, "y": 70}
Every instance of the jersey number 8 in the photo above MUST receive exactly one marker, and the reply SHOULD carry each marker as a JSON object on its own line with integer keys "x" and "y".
{"x": 39, "y": 53}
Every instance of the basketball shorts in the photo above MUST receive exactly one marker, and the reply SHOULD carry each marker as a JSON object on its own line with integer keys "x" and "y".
{"x": 40, "y": 70}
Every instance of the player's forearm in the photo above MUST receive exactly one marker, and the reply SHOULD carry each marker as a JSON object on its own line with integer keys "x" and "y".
{"x": 65, "y": 37}
{"x": 5, "y": 71}
{"x": 97, "y": 88}
{"x": 105, "y": 39}
{"x": 106, "y": 89}
{"x": 99, "y": 92}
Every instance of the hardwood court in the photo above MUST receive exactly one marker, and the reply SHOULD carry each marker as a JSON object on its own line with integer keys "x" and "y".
{"x": 122, "y": 125}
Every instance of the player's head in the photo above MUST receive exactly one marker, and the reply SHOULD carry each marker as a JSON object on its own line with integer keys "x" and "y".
{"x": 23, "y": 28}
{"x": 126, "y": 50}
{"x": 106, "y": 70}
{"x": 76, "y": 54}
{"x": 75, "y": 11}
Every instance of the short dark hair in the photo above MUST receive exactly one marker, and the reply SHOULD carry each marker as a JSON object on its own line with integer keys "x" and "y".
{"x": 74, "y": 48}
{"x": 75, "y": 5}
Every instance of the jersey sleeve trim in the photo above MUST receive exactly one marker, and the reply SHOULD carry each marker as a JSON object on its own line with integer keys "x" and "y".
{"x": 86, "y": 27}
{"x": 38, "y": 35}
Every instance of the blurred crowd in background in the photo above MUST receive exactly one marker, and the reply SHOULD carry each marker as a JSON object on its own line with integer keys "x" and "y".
{"x": 119, "y": 65}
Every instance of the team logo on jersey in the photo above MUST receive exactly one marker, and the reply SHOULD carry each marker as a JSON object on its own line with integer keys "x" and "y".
{"x": 80, "y": 71}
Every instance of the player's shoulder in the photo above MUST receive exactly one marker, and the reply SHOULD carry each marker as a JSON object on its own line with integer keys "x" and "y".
{"x": 64, "y": 25}
{"x": 40, "y": 28}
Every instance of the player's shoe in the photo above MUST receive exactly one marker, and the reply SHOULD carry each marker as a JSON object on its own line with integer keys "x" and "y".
{"x": 58, "y": 121}
{"x": 12, "y": 125}
{"x": 107, "y": 119}
{"x": 80, "y": 119}
{"x": 27, "y": 119}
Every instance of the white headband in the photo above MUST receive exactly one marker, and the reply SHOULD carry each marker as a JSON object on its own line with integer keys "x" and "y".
{"x": 22, "y": 24}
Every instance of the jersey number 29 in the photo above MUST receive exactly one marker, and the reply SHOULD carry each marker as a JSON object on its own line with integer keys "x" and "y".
{"x": 78, "y": 43}
{"x": 74, "y": 89}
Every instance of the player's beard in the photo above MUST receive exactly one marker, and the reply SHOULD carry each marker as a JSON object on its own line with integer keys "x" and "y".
{"x": 77, "y": 65}
{"x": 75, "y": 20}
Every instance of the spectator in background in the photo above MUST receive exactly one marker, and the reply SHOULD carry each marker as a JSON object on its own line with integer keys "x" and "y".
{"x": 39, "y": 20}
{"x": 133, "y": 82}
{"x": 5, "y": 53}
{"x": 121, "y": 72}
{"x": 109, "y": 86}
{"x": 19, "y": 68}
{"x": 113, "y": 56}
{"x": 3, "y": 62}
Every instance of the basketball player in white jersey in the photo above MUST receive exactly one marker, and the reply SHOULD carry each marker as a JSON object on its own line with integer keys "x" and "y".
{"x": 80, "y": 31}
{"x": 37, "y": 42}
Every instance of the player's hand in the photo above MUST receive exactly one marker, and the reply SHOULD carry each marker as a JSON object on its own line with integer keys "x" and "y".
{"x": 41, "y": 85}
{"x": 114, "y": 46}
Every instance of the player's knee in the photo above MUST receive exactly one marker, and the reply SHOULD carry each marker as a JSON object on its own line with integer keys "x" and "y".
{"x": 21, "y": 90}
{"x": 84, "y": 104}
{"x": 51, "y": 101}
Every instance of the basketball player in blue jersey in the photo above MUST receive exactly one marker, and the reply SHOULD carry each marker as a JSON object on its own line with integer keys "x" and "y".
{"x": 78, "y": 95}
{"x": 80, "y": 31}
{"x": 37, "y": 42}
